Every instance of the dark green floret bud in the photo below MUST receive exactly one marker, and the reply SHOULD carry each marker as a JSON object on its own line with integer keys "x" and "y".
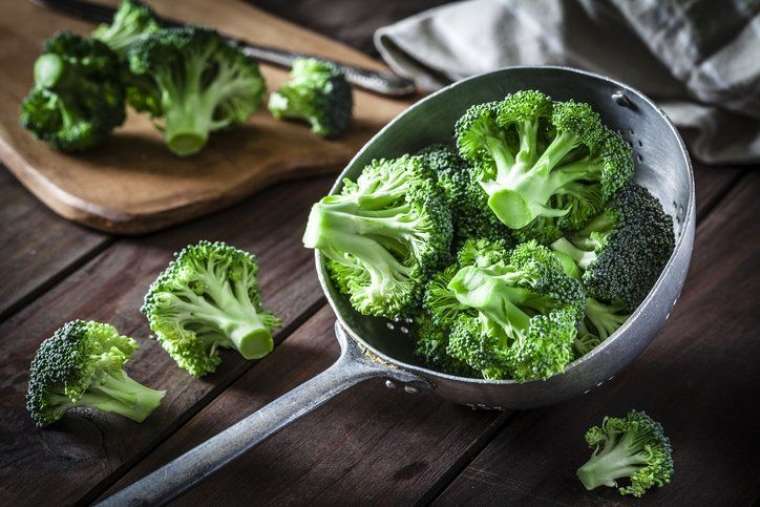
{"x": 318, "y": 94}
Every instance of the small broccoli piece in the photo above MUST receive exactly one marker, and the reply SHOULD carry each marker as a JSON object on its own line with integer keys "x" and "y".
{"x": 208, "y": 297}
{"x": 634, "y": 447}
{"x": 468, "y": 202}
{"x": 317, "y": 93}
{"x": 623, "y": 250}
{"x": 133, "y": 19}
{"x": 82, "y": 365}
{"x": 431, "y": 342}
{"x": 383, "y": 235}
{"x": 77, "y": 98}
{"x": 195, "y": 81}
{"x": 544, "y": 166}
{"x": 508, "y": 314}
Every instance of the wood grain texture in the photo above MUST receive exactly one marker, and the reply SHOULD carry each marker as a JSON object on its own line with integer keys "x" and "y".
{"x": 133, "y": 184}
{"x": 699, "y": 378}
{"x": 369, "y": 445}
{"x": 36, "y": 247}
{"x": 61, "y": 464}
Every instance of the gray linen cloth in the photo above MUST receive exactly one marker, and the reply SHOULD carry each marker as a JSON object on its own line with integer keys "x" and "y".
{"x": 700, "y": 59}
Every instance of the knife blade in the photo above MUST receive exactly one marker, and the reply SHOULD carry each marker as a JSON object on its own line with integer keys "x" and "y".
{"x": 384, "y": 83}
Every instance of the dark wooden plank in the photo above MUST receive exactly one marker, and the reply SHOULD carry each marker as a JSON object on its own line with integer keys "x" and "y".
{"x": 699, "y": 378}
{"x": 370, "y": 445}
{"x": 383, "y": 447}
{"x": 36, "y": 247}
{"x": 712, "y": 184}
{"x": 84, "y": 453}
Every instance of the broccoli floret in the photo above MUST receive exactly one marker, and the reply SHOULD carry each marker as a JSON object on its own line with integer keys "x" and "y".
{"x": 622, "y": 251}
{"x": 431, "y": 342}
{"x": 634, "y": 447}
{"x": 544, "y": 166}
{"x": 317, "y": 93}
{"x": 195, "y": 81}
{"x": 383, "y": 235}
{"x": 77, "y": 98}
{"x": 82, "y": 365}
{"x": 208, "y": 297}
{"x": 508, "y": 314}
{"x": 468, "y": 202}
{"x": 132, "y": 20}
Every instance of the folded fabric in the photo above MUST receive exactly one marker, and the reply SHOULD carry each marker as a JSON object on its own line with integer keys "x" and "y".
{"x": 700, "y": 59}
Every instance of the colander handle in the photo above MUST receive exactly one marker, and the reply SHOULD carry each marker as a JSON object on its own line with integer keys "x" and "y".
{"x": 178, "y": 476}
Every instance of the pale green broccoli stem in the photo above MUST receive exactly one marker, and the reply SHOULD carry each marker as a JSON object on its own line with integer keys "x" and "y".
{"x": 238, "y": 323}
{"x": 617, "y": 459}
{"x": 337, "y": 233}
{"x": 190, "y": 105}
{"x": 604, "y": 318}
{"x": 115, "y": 391}
{"x": 582, "y": 258}
{"x": 492, "y": 297}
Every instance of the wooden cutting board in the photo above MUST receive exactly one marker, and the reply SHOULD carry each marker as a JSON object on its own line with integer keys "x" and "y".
{"x": 133, "y": 184}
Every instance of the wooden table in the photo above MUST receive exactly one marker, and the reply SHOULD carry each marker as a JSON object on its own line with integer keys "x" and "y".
{"x": 700, "y": 377}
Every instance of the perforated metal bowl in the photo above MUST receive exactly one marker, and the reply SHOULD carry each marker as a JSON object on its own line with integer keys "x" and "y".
{"x": 374, "y": 347}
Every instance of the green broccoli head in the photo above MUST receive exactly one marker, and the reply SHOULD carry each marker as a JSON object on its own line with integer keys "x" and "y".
{"x": 468, "y": 202}
{"x": 634, "y": 448}
{"x": 543, "y": 166}
{"x": 317, "y": 93}
{"x": 195, "y": 81}
{"x": 133, "y": 19}
{"x": 622, "y": 251}
{"x": 383, "y": 235}
{"x": 77, "y": 98}
{"x": 509, "y": 314}
{"x": 208, "y": 297}
{"x": 431, "y": 343}
{"x": 82, "y": 365}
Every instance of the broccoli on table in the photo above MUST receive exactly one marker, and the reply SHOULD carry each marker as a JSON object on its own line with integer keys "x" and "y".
{"x": 209, "y": 298}
{"x": 317, "y": 93}
{"x": 634, "y": 448}
{"x": 383, "y": 235}
{"x": 544, "y": 167}
{"x": 133, "y": 19}
{"x": 195, "y": 81}
{"x": 470, "y": 213}
{"x": 82, "y": 365}
{"x": 77, "y": 98}
{"x": 508, "y": 314}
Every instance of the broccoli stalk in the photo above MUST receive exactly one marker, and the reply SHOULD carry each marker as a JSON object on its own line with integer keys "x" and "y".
{"x": 541, "y": 162}
{"x": 132, "y": 20}
{"x": 82, "y": 365}
{"x": 195, "y": 81}
{"x": 317, "y": 93}
{"x": 383, "y": 235}
{"x": 634, "y": 447}
{"x": 208, "y": 298}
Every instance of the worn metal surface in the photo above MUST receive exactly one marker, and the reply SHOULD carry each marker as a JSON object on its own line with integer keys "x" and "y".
{"x": 379, "y": 348}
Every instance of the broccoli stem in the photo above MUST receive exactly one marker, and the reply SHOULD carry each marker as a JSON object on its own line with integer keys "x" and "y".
{"x": 337, "y": 233}
{"x": 604, "y": 318}
{"x": 581, "y": 257}
{"x": 615, "y": 461}
{"x": 187, "y": 125}
{"x": 116, "y": 392}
